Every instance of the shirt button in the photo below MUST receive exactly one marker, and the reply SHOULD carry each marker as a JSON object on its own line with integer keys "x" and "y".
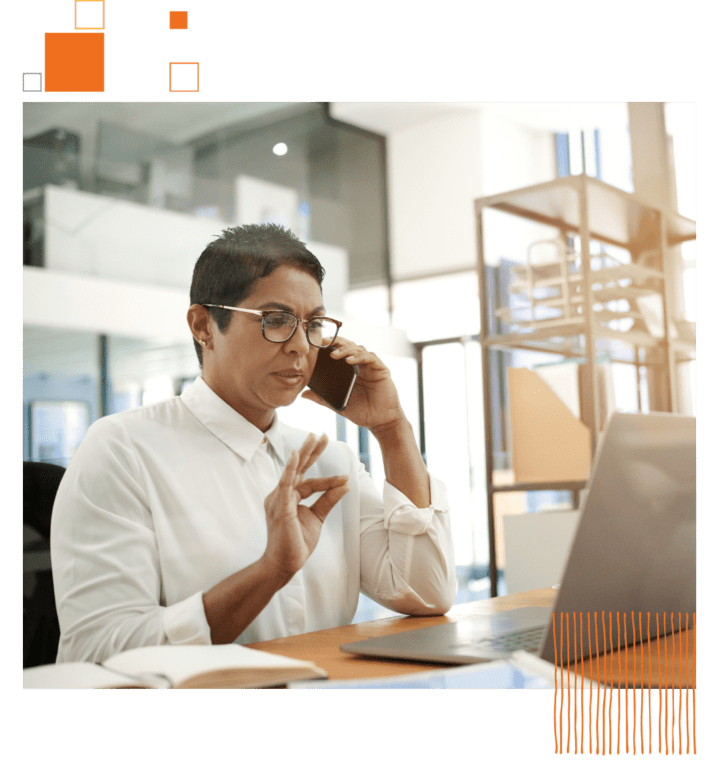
{"x": 264, "y": 440}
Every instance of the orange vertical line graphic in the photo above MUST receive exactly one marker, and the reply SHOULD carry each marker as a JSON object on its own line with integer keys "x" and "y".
{"x": 626, "y": 682}
{"x": 591, "y": 678}
{"x": 561, "y": 675}
{"x": 666, "y": 688}
{"x": 660, "y": 683}
{"x": 604, "y": 698}
{"x": 694, "y": 684}
{"x": 686, "y": 687}
{"x": 554, "y": 635}
{"x": 634, "y": 687}
{"x": 641, "y": 698}
{"x": 574, "y": 623}
{"x": 619, "y": 684}
{"x": 649, "y": 697}
{"x": 596, "y": 643}
{"x": 659, "y": 688}
{"x": 680, "y": 687}
{"x": 581, "y": 653}
{"x": 569, "y": 693}
{"x": 673, "y": 657}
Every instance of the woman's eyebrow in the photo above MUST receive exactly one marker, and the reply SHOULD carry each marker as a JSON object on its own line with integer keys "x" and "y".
{"x": 284, "y": 308}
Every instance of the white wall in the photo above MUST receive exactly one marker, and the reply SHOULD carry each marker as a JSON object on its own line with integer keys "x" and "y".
{"x": 60, "y": 300}
{"x": 53, "y": 299}
{"x": 434, "y": 174}
{"x": 101, "y": 236}
{"x": 514, "y": 156}
{"x": 437, "y": 168}
{"x": 112, "y": 239}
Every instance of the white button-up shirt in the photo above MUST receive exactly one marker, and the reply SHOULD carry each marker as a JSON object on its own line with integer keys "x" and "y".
{"x": 161, "y": 503}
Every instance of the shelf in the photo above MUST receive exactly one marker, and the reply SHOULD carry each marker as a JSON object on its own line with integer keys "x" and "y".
{"x": 584, "y": 206}
{"x": 617, "y": 218}
{"x": 601, "y": 295}
{"x": 568, "y": 328}
{"x": 566, "y": 485}
{"x": 604, "y": 275}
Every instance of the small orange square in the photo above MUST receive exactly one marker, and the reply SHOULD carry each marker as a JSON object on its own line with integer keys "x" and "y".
{"x": 178, "y": 19}
{"x": 74, "y": 61}
{"x": 90, "y": 29}
{"x": 197, "y": 77}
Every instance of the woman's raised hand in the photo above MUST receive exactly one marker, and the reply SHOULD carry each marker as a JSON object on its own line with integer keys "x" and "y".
{"x": 293, "y": 529}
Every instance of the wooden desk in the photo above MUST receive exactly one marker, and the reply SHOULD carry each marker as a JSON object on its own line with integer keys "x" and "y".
{"x": 322, "y": 647}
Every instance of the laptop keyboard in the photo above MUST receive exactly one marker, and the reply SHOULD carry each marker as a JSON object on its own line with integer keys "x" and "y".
{"x": 521, "y": 639}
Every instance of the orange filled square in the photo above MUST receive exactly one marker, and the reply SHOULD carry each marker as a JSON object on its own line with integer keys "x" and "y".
{"x": 178, "y": 19}
{"x": 74, "y": 61}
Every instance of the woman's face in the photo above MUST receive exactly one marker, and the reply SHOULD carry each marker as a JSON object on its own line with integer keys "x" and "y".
{"x": 254, "y": 375}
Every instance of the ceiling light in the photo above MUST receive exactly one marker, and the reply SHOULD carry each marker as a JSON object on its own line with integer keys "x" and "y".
{"x": 280, "y": 149}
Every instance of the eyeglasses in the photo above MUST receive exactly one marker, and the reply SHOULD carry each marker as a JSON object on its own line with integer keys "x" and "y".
{"x": 279, "y": 326}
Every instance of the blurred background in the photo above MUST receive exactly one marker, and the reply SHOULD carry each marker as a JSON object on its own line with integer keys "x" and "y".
{"x": 120, "y": 199}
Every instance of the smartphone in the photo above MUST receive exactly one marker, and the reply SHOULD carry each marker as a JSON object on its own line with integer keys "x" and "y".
{"x": 333, "y": 380}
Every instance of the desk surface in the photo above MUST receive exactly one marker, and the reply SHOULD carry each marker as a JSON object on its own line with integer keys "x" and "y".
{"x": 322, "y": 647}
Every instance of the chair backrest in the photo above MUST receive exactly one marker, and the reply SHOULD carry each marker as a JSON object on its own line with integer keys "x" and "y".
{"x": 40, "y": 484}
{"x": 41, "y": 630}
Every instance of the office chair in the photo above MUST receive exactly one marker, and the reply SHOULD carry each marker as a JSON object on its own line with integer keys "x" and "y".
{"x": 41, "y": 630}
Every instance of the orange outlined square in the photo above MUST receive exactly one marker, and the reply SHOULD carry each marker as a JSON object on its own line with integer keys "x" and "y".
{"x": 197, "y": 64}
{"x": 89, "y": 29}
{"x": 91, "y": 14}
{"x": 178, "y": 19}
{"x": 74, "y": 61}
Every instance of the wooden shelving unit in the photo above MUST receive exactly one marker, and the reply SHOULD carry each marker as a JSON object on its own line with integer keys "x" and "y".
{"x": 568, "y": 304}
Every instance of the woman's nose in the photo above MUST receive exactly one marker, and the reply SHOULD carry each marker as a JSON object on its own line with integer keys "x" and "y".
{"x": 298, "y": 341}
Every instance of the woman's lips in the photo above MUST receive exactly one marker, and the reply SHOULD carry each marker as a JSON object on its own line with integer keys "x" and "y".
{"x": 290, "y": 377}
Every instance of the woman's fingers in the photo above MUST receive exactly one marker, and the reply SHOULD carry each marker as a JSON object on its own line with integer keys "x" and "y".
{"x": 319, "y": 484}
{"x": 322, "y": 507}
{"x": 293, "y": 481}
{"x": 311, "y": 450}
{"x": 355, "y": 354}
{"x": 288, "y": 480}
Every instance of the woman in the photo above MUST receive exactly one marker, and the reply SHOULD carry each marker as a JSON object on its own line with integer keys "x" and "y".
{"x": 204, "y": 519}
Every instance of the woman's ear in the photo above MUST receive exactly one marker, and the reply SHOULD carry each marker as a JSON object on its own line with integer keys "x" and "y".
{"x": 199, "y": 320}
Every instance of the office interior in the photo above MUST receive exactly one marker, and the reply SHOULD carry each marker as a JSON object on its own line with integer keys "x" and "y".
{"x": 119, "y": 200}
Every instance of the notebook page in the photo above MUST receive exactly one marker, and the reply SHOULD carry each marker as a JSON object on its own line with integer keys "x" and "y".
{"x": 75, "y": 674}
{"x": 180, "y": 662}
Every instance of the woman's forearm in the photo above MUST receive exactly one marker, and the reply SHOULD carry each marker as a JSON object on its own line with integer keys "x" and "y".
{"x": 403, "y": 465}
{"x": 233, "y": 604}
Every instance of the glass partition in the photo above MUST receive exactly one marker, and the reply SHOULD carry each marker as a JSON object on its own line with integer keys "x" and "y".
{"x": 322, "y": 178}
{"x": 60, "y": 392}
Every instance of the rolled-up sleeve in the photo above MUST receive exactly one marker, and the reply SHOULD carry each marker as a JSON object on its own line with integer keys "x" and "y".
{"x": 105, "y": 557}
{"x": 406, "y": 553}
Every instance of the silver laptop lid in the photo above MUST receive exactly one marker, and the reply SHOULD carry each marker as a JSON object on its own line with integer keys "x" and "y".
{"x": 635, "y": 544}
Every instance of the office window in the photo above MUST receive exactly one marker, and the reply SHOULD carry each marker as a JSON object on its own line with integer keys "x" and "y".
{"x": 58, "y": 367}
{"x": 438, "y": 307}
{"x": 680, "y": 120}
{"x": 602, "y": 149}
{"x": 56, "y": 429}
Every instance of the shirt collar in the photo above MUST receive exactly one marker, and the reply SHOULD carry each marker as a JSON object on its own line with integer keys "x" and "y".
{"x": 228, "y": 425}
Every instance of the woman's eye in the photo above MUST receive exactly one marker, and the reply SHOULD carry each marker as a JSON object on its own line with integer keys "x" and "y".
{"x": 277, "y": 321}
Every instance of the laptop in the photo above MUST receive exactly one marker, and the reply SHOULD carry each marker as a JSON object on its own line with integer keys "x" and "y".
{"x": 634, "y": 549}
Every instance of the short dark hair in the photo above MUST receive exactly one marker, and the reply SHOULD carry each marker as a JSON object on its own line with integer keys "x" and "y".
{"x": 229, "y": 266}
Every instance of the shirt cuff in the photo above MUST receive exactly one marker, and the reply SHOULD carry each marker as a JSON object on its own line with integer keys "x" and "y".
{"x": 402, "y": 516}
{"x": 186, "y": 623}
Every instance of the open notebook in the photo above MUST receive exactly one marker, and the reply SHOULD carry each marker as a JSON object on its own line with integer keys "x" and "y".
{"x": 177, "y": 666}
